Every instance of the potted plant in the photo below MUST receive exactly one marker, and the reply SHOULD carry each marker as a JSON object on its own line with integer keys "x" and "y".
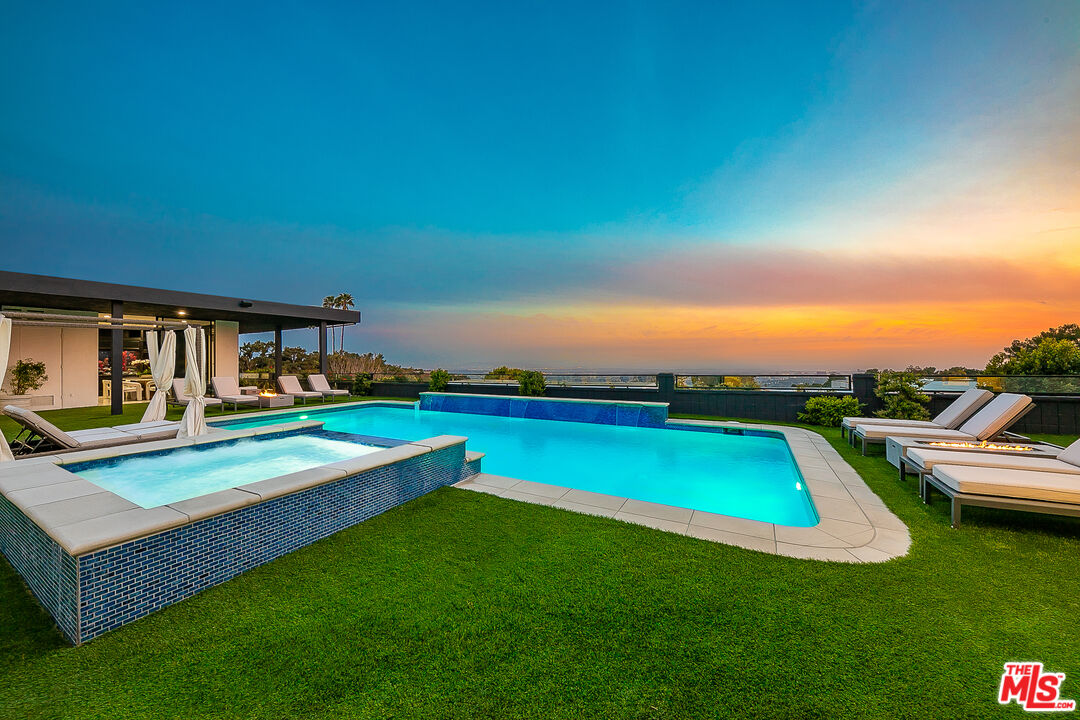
{"x": 24, "y": 377}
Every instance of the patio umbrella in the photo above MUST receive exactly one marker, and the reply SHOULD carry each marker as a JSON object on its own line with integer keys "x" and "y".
{"x": 5, "y": 348}
{"x": 194, "y": 421}
{"x": 162, "y": 367}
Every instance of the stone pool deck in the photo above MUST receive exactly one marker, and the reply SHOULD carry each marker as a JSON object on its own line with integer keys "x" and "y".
{"x": 855, "y": 525}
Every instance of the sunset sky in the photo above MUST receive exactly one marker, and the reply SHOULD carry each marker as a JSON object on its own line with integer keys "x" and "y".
{"x": 665, "y": 186}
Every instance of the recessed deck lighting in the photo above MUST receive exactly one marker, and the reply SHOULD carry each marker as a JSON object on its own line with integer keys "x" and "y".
{"x": 181, "y": 312}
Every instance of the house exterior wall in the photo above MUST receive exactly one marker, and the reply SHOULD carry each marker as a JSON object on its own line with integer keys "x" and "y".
{"x": 226, "y": 348}
{"x": 70, "y": 357}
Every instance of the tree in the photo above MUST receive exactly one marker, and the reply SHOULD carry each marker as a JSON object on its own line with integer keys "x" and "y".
{"x": 531, "y": 382}
{"x": 1052, "y": 352}
{"x": 256, "y": 355}
{"x": 900, "y": 393}
{"x": 439, "y": 381}
{"x": 504, "y": 373}
{"x": 330, "y": 301}
{"x": 341, "y": 301}
{"x": 27, "y": 375}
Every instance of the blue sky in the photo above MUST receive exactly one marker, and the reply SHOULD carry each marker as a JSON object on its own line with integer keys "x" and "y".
{"x": 561, "y": 170}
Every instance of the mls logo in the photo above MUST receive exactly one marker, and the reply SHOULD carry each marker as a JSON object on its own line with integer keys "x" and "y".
{"x": 1032, "y": 689}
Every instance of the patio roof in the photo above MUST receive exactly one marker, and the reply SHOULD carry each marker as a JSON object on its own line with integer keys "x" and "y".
{"x": 44, "y": 291}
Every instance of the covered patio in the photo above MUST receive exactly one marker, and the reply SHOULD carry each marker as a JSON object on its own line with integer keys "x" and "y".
{"x": 79, "y": 329}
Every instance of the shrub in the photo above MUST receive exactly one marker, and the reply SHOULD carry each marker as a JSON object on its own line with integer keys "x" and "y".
{"x": 440, "y": 379}
{"x": 901, "y": 395}
{"x": 27, "y": 375}
{"x": 361, "y": 384}
{"x": 531, "y": 382}
{"x": 504, "y": 373}
{"x": 830, "y": 411}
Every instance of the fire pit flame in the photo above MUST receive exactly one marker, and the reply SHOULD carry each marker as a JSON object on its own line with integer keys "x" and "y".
{"x": 267, "y": 393}
{"x": 984, "y": 445}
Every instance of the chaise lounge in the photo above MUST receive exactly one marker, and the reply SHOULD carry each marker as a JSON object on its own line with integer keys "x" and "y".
{"x": 227, "y": 390}
{"x": 290, "y": 385}
{"x": 39, "y": 436}
{"x": 950, "y": 418}
{"x": 923, "y": 460}
{"x": 1040, "y": 491}
{"x": 993, "y": 420}
{"x": 319, "y": 384}
{"x": 181, "y": 399}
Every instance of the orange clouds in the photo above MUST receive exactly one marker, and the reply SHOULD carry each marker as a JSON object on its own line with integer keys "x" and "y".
{"x": 743, "y": 338}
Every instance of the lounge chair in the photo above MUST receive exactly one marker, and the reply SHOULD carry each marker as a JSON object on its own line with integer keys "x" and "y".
{"x": 181, "y": 399}
{"x": 38, "y": 435}
{"x": 319, "y": 384}
{"x": 291, "y": 386}
{"x": 950, "y": 418}
{"x": 991, "y": 421}
{"x": 1053, "y": 493}
{"x": 923, "y": 460}
{"x": 227, "y": 389}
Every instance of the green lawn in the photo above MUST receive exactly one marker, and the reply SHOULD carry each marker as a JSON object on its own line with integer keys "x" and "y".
{"x": 461, "y": 604}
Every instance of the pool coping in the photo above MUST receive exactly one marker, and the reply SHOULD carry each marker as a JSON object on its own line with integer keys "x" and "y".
{"x": 855, "y": 525}
{"x": 83, "y": 518}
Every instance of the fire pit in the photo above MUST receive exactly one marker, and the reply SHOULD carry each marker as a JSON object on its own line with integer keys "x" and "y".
{"x": 984, "y": 445}
{"x": 270, "y": 399}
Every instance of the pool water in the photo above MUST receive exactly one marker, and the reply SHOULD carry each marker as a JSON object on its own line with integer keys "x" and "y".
{"x": 161, "y": 478}
{"x": 746, "y": 476}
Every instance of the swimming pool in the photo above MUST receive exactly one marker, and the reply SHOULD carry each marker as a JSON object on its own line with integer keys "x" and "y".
{"x": 750, "y": 475}
{"x": 154, "y": 479}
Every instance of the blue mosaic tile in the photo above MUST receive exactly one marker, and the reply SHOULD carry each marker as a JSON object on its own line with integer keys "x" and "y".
{"x": 599, "y": 412}
{"x": 49, "y": 572}
{"x": 100, "y": 591}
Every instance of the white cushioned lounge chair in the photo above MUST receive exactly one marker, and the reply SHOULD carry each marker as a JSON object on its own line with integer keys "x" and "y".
{"x": 227, "y": 389}
{"x": 992, "y": 420}
{"x": 950, "y": 418}
{"x": 319, "y": 384}
{"x": 1034, "y": 490}
{"x": 923, "y": 460}
{"x": 290, "y": 385}
{"x": 38, "y": 435}
{"x": 181, "y": 399}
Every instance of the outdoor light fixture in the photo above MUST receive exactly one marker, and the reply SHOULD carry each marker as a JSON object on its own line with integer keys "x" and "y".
{"x": 181, "y": 312}
{"x": 246, "y": 303}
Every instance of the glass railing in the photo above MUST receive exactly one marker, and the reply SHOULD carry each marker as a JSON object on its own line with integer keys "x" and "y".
{"x": 1026, "y": 384}
{"x": 563, "y": 380}
{"x": 780, "y": 383}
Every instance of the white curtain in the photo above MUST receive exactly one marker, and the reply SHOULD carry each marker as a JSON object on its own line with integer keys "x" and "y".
{"x": 194, "y": 421}
{"x": 5, "y": 349}
{"x": 162, "y": 367}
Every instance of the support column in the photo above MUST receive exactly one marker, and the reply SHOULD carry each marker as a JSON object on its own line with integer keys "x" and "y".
{"x": 322, "y": 348}
{"x": 116, "y": 359}
{"x": 277, "y": 351}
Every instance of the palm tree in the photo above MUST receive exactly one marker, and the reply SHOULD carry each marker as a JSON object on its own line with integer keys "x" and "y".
{"x": 330, "y": 301}
{"x": 344, "y": 302}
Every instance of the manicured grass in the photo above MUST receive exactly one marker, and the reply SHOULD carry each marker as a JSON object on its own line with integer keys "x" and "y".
{"x": 465, "y": 605}
{"x": 100, "y": 416}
